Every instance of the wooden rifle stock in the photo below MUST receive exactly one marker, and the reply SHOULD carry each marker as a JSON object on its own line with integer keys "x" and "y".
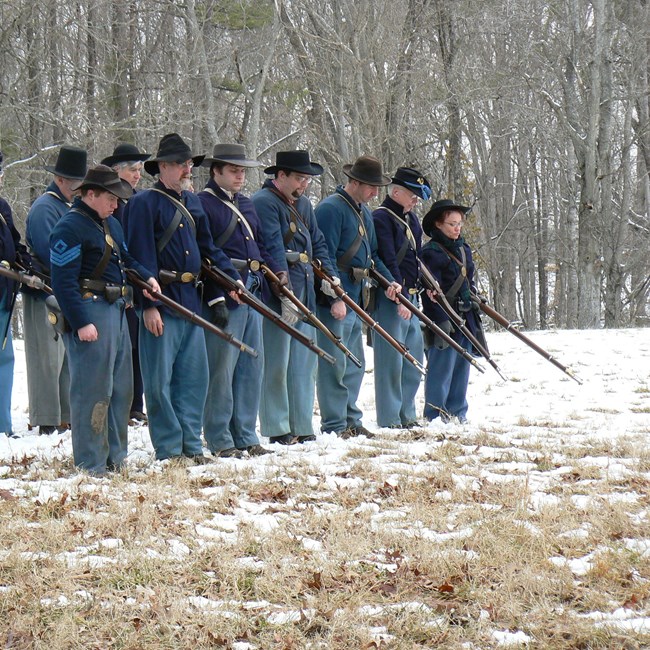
{"x": 22, "y": 276}
{"x": 189, "y": 315}
{"x": 507, "y": 325}
{"x": 384, "y": 284}
{"x": 224, "y": 280}
{"x": 366, "y": 318}
{"x": 310, "y": 316}
{"x": 432, "y": 284}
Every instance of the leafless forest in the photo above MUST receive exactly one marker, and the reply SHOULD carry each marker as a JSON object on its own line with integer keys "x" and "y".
{"x": 534, "y": 112}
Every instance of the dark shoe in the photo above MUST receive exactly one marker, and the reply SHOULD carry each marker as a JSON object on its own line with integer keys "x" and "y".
{"x": 138, "y": 416}
{"x": 46, "y": 430}
{"x": 304, "y": 439}
{"x": 199, "y": 459}
{"x": 11, "y": 434}
{"x": 414, "y": 424}
{"x": 63, "y": 427}
{"x": 257, "y": 450}
{"x": 346, "y": 433}
{"x": 286, "y": 439}
{"x": 231, "y": 452}
{"x": 362, "y": 431}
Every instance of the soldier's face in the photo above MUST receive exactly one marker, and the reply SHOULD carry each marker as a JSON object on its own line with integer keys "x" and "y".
{"x": 103, "y": 203}
{"x": 176, "y": 175}
{"x": 132, "y": 174}
{"x": 407, "y": 199}
{"x": 230, "y": 178}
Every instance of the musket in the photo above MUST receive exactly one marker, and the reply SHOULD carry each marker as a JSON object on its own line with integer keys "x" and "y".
{"x": 366, "y": 318}
{"x": 224, "y": 280}
{"x": 384, "y": 283}
{"x": 507, "y": 325}
{"x": 432, "y": 284}
{"x": 310, "y": 316}
{"x": 188, "y": 314}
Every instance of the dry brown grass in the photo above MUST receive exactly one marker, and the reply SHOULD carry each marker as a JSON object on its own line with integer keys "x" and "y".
{"x": 397, "y": 543}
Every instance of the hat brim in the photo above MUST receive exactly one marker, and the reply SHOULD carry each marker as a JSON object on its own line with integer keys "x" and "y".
{"x": 385, "y": 180}
{"x": 428, "y": 223}
{"x": 313, "y": 169}
{"x": 240, "y": 162}
{"x": 56, "y": 172}
{"x": 151, "y": 166}
{"x": 134, "y": 157}
{"x": 121, "y": 190}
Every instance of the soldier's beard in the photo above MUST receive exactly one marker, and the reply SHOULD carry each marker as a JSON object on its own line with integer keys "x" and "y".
{"x": 186, "y": 184}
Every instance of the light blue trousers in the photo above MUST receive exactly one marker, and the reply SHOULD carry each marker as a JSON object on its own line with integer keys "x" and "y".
{"x": 287, "y": 404}
{"x": 48, "y": 376}
{"x": 6, "y": 373}
{"x": 396, "y": 379}
{"x": 101, "y": 389}
{"x": 230, "y": 413}
{"x": 338, "y": 385}
{"x": 445, "y": 386}
{"x": 175, "y": 376}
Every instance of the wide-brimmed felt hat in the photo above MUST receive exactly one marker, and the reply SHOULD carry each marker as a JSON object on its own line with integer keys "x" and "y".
{"x": 414, "y": 181}
{"x": 428, "y": 222}
{"x": 71, "y": 163}
{"x": 366, "y": 169}
{"x": 233, "y": 154}
{"x": 125, "y": 152}
{"x": 295, "y": 161}
{"x": 105, "y": 178}
{"x": 171, "y": 148}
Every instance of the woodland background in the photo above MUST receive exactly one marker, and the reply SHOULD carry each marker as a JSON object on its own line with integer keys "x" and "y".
{"x": 536, "y": 113}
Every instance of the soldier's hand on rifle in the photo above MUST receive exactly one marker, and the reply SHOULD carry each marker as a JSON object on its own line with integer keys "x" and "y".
{"x": 283, "y": 277}
{"x": 241, "y": 287}
{"x": 153, "y": 283}
{"x": 327, "y": 287}
{"x": 338, "y": 310}
{"x": 393, "y": 289}
{"x": 153, "y": 321}
{"x": 289, "y": 315}
{"x": 403, "y": 312}
{"x": 220, "y": 313}
{"x": 433, "y": 295}
{"x": 438, "y": 342}
{"x": 88, "y": 333}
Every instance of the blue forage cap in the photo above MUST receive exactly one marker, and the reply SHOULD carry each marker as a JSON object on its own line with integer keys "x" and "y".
{"x": 413, "y": 180}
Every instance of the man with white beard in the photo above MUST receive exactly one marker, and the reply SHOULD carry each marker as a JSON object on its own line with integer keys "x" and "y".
{"x": 167, "y": 231}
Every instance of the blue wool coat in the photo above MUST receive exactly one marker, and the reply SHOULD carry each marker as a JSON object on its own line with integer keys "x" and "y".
{"x": 146, "y": 217}
{"x": 77, "y": 245}
{"x": 391, "y": 235}
{"x": 240, "y": 245}
{"x": 340, "y": 227}
{"x": 9, "y": 246}
{"x": 275, "y": 218}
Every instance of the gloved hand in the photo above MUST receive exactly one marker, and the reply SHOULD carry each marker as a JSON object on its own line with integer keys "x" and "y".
{"x": 327, "y": 287}
{"x": 220, "y": 314}
{"x": 283, "y": 277}
{"x": 289, "y": 314}
{"x": 438, "y": 341}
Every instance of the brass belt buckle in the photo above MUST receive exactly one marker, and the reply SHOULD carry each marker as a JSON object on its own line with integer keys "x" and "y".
{"x": 187, "y": 277}
{"x": 124, "y": 290}
{"x": 304, "y": 258}
{"x": 413, "y": 291}
{"x": 254, "y": 265}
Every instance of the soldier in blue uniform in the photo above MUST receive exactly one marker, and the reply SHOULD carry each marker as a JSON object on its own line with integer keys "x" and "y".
{"x": 167, "y": 231}
{"x": 449, "y": 259}
{"x": 11, "y": 250}
{"x": 230, "y": 414}
{"x": 399, "y": 239}
{"x": 292, "y": 237}
{"x": 88, "y": 259}
{"x": 127, "y": 161}
{"x": 48, "y": 377}
{"x": 346, "y": 222}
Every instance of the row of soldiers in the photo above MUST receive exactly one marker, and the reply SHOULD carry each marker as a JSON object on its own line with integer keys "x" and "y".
{"x": 218, "y": 255}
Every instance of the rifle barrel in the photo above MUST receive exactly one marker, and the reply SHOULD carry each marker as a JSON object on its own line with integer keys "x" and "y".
{"x": 384, "y": 284}
{"x": 311, "y": 317}
{"x": 189, "y": 315}
{"x": 507, "y": 325}
{"x": 224, "y": 280}
{"x": 367, "y": 319}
